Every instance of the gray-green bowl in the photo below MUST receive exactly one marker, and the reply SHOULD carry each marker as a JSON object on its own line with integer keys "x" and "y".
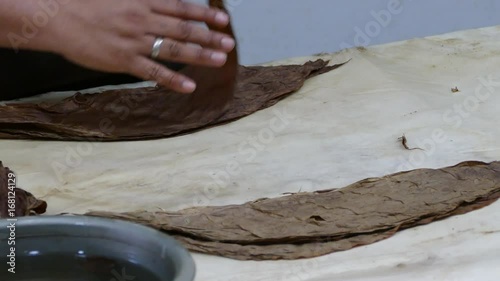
{"x": 64, "y": 248}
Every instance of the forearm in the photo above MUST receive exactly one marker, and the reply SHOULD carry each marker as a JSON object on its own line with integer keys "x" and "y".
{"x": 26, "y": 24}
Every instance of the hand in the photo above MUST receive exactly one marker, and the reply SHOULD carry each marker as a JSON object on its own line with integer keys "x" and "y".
{"x": 118, "y": 36}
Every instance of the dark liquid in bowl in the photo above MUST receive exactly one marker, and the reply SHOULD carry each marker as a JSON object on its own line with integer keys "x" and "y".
{"x": 63, "y": 268}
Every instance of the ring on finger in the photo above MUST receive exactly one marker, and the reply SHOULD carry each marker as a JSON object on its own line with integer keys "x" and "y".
{"x": 155, "y": 51}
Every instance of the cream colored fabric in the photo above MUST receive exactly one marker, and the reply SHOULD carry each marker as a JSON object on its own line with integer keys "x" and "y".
{"x": 341, "y": 127}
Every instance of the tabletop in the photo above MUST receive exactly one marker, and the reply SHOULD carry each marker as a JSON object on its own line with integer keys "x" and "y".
{"x": 441, "y": 92}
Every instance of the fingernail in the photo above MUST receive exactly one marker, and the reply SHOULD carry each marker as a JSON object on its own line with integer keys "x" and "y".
{"x": 227, "y": 43}
{"x": 218, "y": 57}
{"x": 222, "y": 18}
{"x": 188, "y": 86}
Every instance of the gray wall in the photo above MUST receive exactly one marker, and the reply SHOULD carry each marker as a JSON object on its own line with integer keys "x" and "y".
{"x": 275, "y": 29}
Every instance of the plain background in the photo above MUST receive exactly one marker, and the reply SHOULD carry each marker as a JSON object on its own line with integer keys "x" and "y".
{"x": 275, "y": 29}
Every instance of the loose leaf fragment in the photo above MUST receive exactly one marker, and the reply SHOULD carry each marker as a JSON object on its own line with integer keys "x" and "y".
{"x": 404, "y": 142}
{"x": 14, "y": 201}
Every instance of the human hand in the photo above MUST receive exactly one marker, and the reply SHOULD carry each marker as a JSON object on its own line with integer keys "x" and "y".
{"x": 118, "y": 35}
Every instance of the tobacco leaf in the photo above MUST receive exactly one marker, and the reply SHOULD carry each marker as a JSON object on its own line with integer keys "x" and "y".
{"x": 305, "y": 225}
{"x": 24, "y": 203}
{"x": 148, "y": 113}
{"x": 223, "y": 94}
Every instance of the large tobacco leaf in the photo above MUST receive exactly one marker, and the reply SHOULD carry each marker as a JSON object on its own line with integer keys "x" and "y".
{"x": 306, "y": 225}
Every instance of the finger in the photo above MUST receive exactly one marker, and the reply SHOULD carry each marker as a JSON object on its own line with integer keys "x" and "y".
{"x": 188, "y": 32}
{"x": 176, "y": 51}
{"x": 150, "y": 70}
{"x": 191, "y": 11}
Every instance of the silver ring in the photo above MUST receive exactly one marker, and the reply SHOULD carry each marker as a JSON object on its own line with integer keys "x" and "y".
{"x": 155, "y": 52}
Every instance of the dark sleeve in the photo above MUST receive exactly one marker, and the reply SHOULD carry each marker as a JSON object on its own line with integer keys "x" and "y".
{"x": 29, "y": 73}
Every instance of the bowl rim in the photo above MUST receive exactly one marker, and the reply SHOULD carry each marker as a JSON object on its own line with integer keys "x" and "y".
{"x": 182, "y": 259}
